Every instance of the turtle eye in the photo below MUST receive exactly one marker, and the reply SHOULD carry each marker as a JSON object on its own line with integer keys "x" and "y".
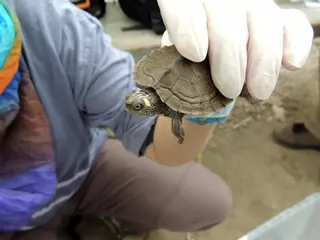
{"x": 138, "y": 106}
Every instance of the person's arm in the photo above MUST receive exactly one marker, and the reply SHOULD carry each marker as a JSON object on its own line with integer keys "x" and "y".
{"x": 166, "y": 150}
{"x": 103, "y": 79}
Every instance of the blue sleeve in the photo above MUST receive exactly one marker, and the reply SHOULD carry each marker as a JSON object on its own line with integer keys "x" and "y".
{"x": 101, "y": 77}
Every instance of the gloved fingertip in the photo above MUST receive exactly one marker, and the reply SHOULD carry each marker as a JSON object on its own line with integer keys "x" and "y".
{"x": 260, "y": 93}
{"x": 295, "y": 61}
{"x": 191, "y": 51}
{"x": 166, "y": 40}
{"x": 298, "y": 36}
{"x": 297, "y": 52}
{"x": 228, "y": 92}
{"x": 290, "y": 67}
{"x": 230, "y": 85}
{"x": 186, "y": 49}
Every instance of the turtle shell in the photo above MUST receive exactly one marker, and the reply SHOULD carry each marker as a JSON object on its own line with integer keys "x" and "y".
{"x": 183, "y": 85}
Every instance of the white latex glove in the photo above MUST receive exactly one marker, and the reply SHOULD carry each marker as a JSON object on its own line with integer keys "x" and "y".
{"x": 246, "y": 40}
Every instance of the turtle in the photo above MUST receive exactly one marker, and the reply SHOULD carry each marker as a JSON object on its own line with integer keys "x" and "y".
{"x": 169, "y": 84}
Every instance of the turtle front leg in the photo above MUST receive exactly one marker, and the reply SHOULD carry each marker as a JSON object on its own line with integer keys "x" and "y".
{"x": 176, "y": 126}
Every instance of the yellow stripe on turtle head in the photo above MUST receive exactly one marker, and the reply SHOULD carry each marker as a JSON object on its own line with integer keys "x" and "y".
{"x": 147, "y": 102}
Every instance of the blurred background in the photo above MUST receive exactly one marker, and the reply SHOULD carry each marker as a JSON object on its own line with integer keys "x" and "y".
{"x": 137, "y": 24}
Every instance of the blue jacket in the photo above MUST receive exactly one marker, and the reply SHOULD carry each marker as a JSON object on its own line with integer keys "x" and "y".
{"x": 81, "y": 82}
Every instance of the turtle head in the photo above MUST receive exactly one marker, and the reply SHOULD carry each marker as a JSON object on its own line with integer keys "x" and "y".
{"x": 144, "y": 103}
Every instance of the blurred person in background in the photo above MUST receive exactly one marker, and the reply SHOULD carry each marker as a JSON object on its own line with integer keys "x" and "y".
{"x": 62, "y": 83}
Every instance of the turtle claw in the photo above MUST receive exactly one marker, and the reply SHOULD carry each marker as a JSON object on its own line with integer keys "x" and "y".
{"x": 176, "y": 127}
{"x": 181, "y": 139}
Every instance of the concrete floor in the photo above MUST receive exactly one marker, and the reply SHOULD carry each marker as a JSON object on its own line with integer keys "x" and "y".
{"x": 113, "y": 23}
{"x": 265, "y": 178}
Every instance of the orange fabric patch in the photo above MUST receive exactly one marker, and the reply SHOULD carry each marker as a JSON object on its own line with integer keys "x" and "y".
{"x": 84, "y": 5}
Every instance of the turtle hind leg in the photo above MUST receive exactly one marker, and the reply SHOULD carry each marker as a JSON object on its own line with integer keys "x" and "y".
{"x": 176, "y": 126}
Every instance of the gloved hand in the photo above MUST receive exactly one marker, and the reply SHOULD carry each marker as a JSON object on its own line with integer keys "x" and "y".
{"x": 247, "y": 41}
